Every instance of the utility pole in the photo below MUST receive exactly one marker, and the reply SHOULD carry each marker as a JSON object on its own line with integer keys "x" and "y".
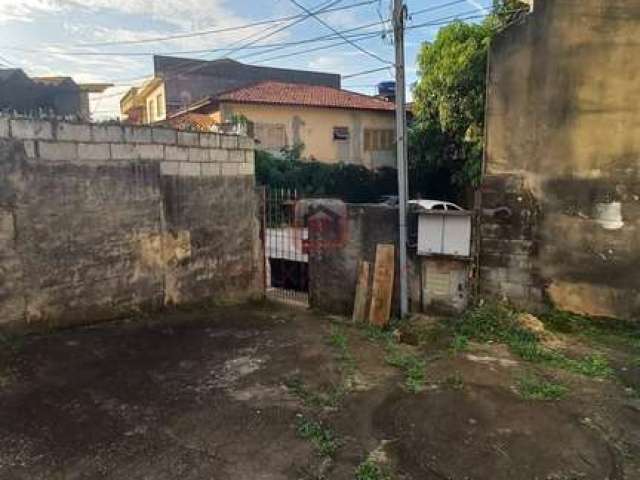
{"x": 399, "y": 16}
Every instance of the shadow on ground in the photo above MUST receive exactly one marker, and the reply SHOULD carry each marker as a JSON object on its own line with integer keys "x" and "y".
{"x": 237, "y": 393}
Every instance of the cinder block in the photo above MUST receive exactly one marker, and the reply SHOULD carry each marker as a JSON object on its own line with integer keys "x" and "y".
{"x": 210, "y": 140}
{"x": 107, "y": 133}
{"x": 4, "y": 127}
{"x": 229, "y": 141}
{"x": 176, "y": 153}
{"x": 164, "y": 135}
{"x": 210, "y": 169}
{"x": 150, "y": 152}
{"x": 188, "y": 139}
{"x": 246, "y": 169}
{"x": 169, "y": 168}
{"x": 218, "y": 155}
{"x": 246, "y": 143}
{"x": 250, "y": 156}
{"x": 137, "y": 134}
{"x": 230, "y": 169}
{"x": 236, "y": 156}
{"x": 31, "y": 129}
{"x": 123, "y": 151}
{"x": 73, "y": 132}
{"x": 66, "y": 151}
{"x": 198, "y": 155}
{"x": 136, "y": 152}
{"x": 30, "y": 148}
{"x": 189, "y": 169}
{"x": 94, "y": 151}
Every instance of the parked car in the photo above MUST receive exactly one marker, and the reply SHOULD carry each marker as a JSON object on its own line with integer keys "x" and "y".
{"x": 392, "y": 201}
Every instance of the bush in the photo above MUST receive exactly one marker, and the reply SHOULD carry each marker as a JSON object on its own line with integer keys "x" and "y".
{"x": 351, "y": 183}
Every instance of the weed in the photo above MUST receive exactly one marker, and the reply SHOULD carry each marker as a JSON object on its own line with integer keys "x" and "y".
{"x": 608, "y": 331}
{"x": 370, "y": 470}
{"x": 459, "y": 343}
{"x": 455, "y": 381}
{"x": 533, "y": 388}
{"x": 331, "y": 398}
{"x": 411, "y": 365}
{"x": 322, "y": 437}
{"x": 338, "y": 338}
{"x": 496, "y": 322}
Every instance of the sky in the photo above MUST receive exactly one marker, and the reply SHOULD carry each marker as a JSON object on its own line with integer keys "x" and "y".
{"x": 83, "y": 38}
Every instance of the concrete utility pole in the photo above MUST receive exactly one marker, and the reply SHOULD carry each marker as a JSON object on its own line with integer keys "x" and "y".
{"x": 399, "y": 16}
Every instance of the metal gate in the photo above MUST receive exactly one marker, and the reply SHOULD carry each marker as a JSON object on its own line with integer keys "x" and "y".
{"x": 284, "y": 240}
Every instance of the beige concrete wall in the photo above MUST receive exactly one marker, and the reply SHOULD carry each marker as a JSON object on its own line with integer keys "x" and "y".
{"x": 563, "y": 143}
{"x": 314, "y": 128}
{"x": 152, "y": 96}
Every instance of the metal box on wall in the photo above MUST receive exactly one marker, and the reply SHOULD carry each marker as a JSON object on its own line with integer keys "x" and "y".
{"x": 444, "y": 233}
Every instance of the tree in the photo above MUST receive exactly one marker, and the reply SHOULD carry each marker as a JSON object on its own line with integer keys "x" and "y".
{"x": 446, "y": 137}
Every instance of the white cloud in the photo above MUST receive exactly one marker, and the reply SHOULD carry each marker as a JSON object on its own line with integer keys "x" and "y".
{"x": 25, "y": 10}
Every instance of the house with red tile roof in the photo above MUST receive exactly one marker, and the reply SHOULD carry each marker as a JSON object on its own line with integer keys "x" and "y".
{"x": 334, "y": 125}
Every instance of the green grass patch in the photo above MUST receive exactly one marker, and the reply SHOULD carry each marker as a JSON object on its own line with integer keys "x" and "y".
{"x": 498, "y": 323}
{"x": 313, "y": 399}
{"x": 411, "y": 365}
{"x": 608, "y": 331}
{"x": 459, "y": 343}
{"x": 339, "y": 340}
{"x": 454, "y": 381}
{"x": 369, "y": 470}
{"x": 534, "y": 388}
{"x": 323, "y": 438}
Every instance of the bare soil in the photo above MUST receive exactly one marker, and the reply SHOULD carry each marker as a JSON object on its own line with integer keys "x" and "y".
{"x": 207, "y": 394}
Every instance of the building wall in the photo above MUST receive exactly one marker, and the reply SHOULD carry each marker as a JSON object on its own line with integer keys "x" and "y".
{"x": 153, "y": 115}
{"x": 189, "y": 80}
{"x": 436, "y": 284}
{"x": 563, "y": 149}
{"x": 314, "y": 127}
{"x": 97, "y": 221}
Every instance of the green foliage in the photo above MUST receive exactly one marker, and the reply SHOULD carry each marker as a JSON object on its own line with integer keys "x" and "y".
{"x": 496, "y": 322}
{"x": 534, "y": 388}
{"x": 411, "y": 365}
{"x": 322, "y": 437}
{"x": 326, "y": 399}
{"x": 448, "y": 133}
{"x": 455, "y": 381}
{"x": 352, "y": 183}
{"x": 369, "y": 470}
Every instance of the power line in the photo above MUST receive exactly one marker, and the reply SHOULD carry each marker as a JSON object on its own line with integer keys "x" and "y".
{"x": 218, "y": 30}
{"x": 353, "y": 44}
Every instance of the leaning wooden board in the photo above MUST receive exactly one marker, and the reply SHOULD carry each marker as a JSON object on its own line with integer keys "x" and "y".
{"x": 382, "y": 290}
{"x": 362, "y": 293}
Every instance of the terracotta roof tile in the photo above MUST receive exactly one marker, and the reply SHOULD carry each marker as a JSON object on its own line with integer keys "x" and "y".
{"x": 277, "y": 93}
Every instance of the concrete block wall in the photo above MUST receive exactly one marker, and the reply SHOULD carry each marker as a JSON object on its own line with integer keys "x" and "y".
{"x": 436, "y": 284}
{"x": 98, "y": 221}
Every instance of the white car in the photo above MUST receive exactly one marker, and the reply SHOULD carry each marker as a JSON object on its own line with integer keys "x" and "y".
{"x": 435, "y": 205}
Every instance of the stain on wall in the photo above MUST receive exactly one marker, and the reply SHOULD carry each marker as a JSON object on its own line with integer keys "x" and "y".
{"x": 561, "y": 196}
{"x": 93, "y": 228}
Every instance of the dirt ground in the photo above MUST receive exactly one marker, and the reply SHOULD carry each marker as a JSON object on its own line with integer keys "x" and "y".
{"x": 264, "y": 392}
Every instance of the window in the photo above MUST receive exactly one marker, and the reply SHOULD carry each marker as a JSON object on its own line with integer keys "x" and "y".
{"x": 341, "y": 133}
{"x": 377, "y": 140}
{"x": 151, "y": 112}
{"x": 160, "y": 105}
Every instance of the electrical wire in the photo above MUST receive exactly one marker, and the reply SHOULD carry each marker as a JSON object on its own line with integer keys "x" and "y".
{"x": 353, "y": 44}
{"x": 218, "y": 30}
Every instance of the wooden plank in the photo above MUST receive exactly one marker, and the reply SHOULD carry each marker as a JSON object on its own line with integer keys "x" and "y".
{"x": 382, "y": 290}
{"x": 362, "y": 293}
